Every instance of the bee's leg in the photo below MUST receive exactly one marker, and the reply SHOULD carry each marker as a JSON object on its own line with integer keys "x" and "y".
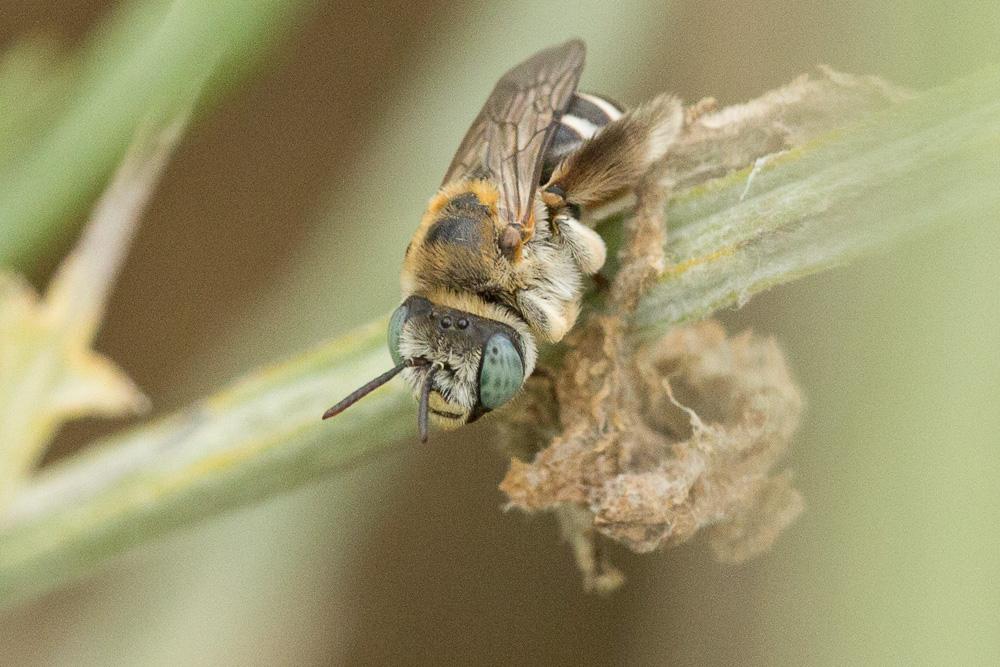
{"x": 549, "y": 317}
{"x": 584, "y": 244}
{"x": 617, "y": 158}
{"x": 552, "y": 286}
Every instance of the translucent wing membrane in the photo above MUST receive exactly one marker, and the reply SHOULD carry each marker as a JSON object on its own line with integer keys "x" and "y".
{"x": 507, "y": 140}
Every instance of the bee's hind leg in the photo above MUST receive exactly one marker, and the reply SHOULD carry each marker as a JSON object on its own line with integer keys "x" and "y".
{"x": 618, "y": 157}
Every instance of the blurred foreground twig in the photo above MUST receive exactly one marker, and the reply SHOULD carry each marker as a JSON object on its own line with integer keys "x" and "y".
{"x": 48, "y": 372}
{"x": 805, "y": 178}
{"x": 65, "y": 118}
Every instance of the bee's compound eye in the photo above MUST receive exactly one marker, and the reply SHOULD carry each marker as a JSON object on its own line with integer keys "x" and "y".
{"x": 395, "y": 329}
{"x": 502, "y": 372}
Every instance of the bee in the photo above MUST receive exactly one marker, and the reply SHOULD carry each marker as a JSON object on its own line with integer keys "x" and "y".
{"x": 501, "y": 254}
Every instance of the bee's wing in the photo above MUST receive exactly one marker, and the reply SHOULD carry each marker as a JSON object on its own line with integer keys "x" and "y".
{"x": 507, "y": 141}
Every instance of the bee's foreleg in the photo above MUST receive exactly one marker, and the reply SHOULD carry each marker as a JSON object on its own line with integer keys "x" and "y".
{"x": 616, "y": 159}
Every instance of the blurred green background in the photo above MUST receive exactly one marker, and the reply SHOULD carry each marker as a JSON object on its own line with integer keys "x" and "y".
{"x": 281, "y": 222}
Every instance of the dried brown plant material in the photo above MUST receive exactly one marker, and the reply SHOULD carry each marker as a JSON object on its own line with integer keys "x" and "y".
{"x": 599, "y": 575}
{"x": 650, "y": 445}
{"x": 686, "y": 437}
{"x": 719, "y": 141}
{"x": 643, "y": 256}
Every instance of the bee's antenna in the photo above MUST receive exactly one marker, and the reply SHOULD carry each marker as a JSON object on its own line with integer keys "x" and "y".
{"x": 425, "y": 394}
{"x": 369, "y": 387}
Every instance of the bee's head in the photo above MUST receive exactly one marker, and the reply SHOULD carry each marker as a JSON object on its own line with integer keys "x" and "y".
{"x": 471, "y": 364}
{"x": 459, "y": 364}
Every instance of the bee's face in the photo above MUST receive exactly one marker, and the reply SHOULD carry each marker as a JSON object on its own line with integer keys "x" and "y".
{"x": 472, "y": 364}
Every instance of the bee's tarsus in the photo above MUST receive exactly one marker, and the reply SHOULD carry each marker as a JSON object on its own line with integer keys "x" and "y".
{"x": 554, "y": 196}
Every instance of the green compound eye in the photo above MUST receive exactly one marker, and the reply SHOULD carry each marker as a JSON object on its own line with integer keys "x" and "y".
{"x": 396, "y": 328}
{"x": 502, "y": 372}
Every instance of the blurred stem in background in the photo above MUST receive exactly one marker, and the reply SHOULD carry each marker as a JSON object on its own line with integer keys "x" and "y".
{"x": 49, "y": 373}
{"x": 149, "y": 53}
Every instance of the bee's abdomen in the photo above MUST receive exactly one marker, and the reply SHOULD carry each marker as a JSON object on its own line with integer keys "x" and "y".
{"x": 586, "y": 116}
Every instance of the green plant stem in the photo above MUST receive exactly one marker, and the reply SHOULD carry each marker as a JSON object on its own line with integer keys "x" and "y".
{"x": 257, "y": 438}
{"x": 829, "y": 199}
{"x": 151, "y": 54}
{"x": 934, "y": 159}
{"x": 48, "y": 372}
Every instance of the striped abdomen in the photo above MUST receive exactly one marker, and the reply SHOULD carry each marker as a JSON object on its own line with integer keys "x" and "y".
{"x": 586, "y": 116}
